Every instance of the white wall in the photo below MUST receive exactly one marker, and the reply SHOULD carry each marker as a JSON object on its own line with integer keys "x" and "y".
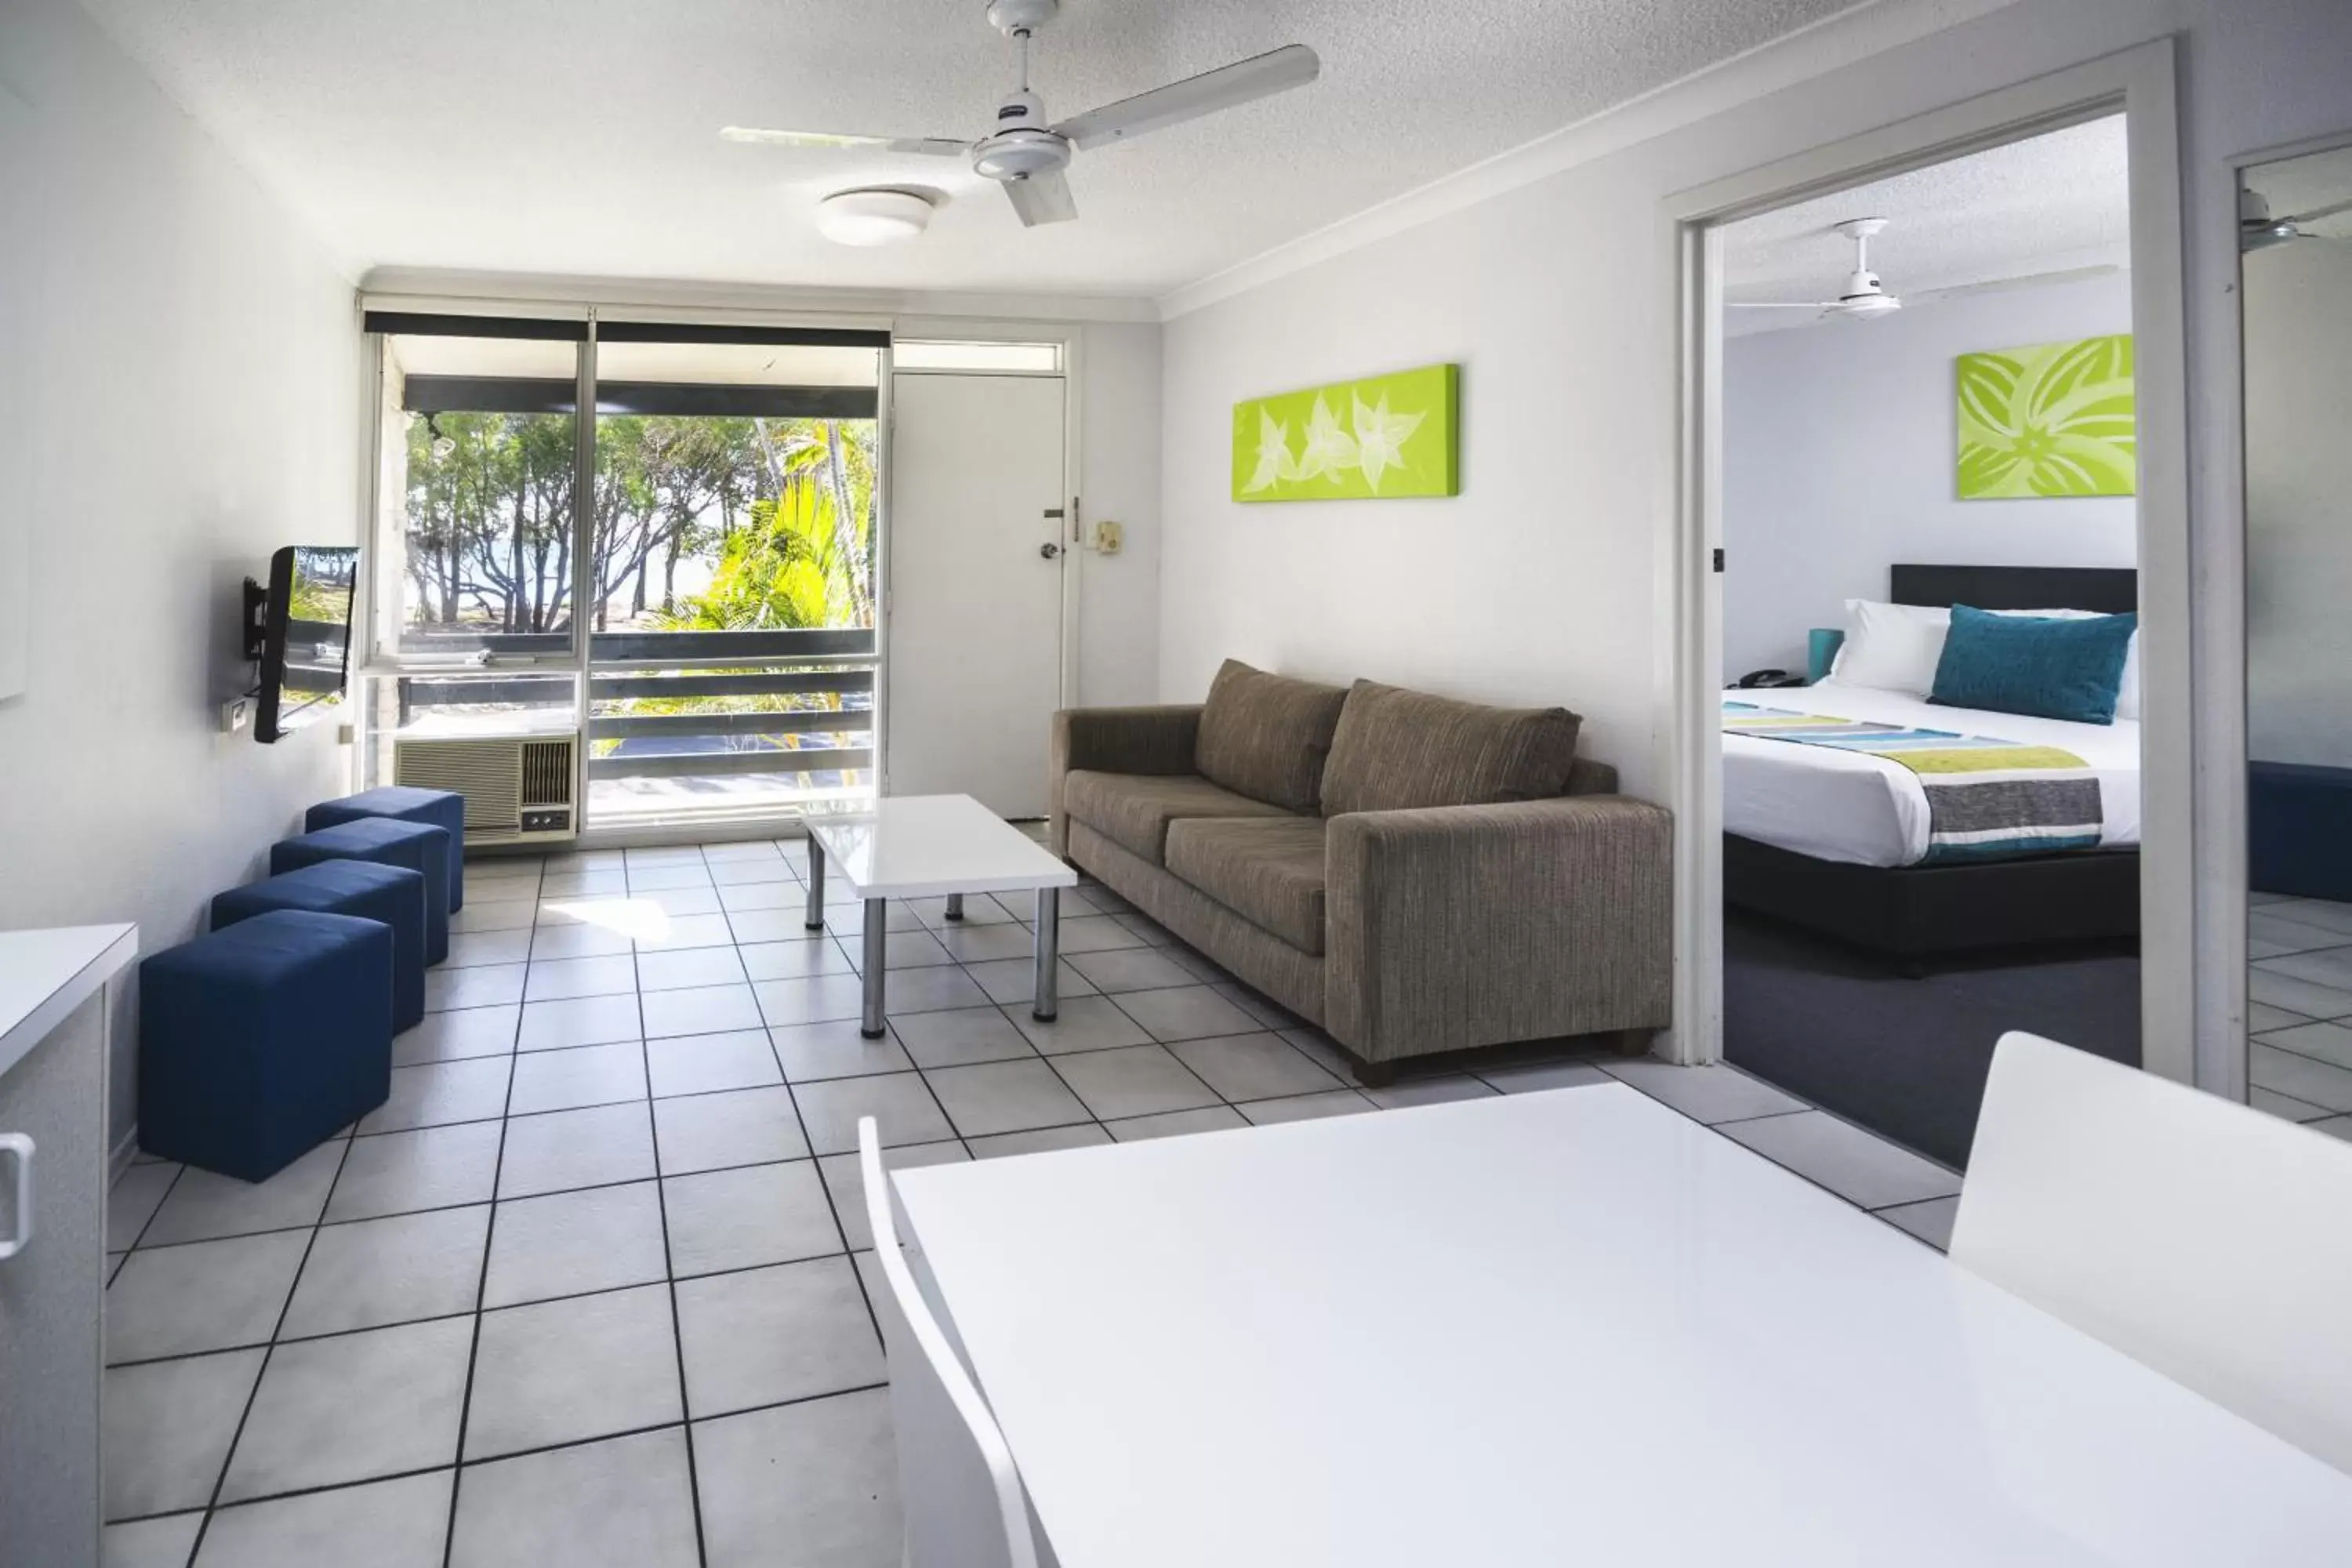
{"x": 1838, "y": 454}
{"x": 191, "y": 398}
{"x": 2299, "y": 503}
{"x": 1545, "y": 579}
{"x": 1119, "y": 481}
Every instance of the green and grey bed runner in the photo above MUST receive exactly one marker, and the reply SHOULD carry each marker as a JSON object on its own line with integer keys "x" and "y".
{"x": 1987, "y": 799}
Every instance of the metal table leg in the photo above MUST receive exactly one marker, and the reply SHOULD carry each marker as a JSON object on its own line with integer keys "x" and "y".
{"x": 955, "y": 906}
{"x": 877, "y": 959}
{"x": 815, "y": 917}
{"x": 1048, "y": 1000}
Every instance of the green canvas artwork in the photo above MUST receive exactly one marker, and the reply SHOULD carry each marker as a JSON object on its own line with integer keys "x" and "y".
{"x": 2051, "y": 419}
{"x": 1382, "y": 438}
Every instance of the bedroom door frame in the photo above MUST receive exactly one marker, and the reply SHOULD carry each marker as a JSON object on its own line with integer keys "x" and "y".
{"x": 2139, "y": 82}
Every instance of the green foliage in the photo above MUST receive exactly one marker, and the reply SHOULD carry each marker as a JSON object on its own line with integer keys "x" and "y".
{"x": 781, "y": 512}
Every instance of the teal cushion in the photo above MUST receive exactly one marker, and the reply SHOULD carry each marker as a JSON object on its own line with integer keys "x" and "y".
{"x": 2034, "y": 664}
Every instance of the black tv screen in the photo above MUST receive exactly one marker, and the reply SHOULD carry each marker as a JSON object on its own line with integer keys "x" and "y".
{"x": 305, "y": 638}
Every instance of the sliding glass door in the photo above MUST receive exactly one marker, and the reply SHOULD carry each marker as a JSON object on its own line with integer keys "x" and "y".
{"x": 723, "y": 566}
{"x": 736, "y": 526}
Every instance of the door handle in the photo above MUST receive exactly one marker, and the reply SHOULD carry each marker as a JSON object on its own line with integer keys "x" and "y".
{"x": 1049, "y": 550}
{"x": 18, "y": 1151}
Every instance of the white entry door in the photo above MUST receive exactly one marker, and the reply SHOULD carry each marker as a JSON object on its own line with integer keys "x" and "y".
{"x": 977, "y": 549}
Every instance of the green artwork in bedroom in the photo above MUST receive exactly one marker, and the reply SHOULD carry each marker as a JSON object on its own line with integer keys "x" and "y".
{"x": 1378, "y": 438}
{"x": 2051, "y": 419}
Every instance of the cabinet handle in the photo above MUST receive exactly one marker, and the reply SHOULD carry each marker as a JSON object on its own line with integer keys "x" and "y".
{"x": 18, "y": 1148}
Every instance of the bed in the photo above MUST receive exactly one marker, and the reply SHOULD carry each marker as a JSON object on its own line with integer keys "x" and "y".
{"x": 1831, "y": 841}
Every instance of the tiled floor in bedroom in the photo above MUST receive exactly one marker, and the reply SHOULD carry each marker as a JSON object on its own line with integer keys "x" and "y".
{"x": 2299, "y": 1061}
{"x": 596, "y": 1274}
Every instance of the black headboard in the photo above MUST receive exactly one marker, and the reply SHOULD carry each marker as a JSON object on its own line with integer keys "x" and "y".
{"x": 2110, "y": 590}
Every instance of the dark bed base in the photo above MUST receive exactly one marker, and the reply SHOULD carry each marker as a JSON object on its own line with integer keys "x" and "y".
{"x": 1914, "y": 913}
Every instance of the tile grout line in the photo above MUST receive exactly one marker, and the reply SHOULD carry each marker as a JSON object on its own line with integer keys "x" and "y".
{"x": 269, "y": 1351}
{"x": 482, "y": 1281}
{"x": 516, "y": 1454}
{"x": 669, "y": 1261}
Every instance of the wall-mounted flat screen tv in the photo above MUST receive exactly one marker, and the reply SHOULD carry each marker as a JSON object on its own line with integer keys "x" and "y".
{"x": 306, "y": 638}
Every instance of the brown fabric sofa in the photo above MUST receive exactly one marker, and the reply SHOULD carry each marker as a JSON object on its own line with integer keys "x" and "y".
{"x": 1412, "y": 873}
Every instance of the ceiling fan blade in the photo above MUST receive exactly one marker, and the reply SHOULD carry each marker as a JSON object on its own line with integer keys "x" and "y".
{"x": 2316, "y": 214}
{"x": 2003, "y": 285}
{"x": 1781, "y": 305}
{"x": 1043, "y": 198}
{"x": 936, "y": 146}
{"x": 1293, "y": 65}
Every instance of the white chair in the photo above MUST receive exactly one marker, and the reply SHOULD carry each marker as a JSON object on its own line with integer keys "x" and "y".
{"x": 962, "y": 1496}
{"x": 2200, "y": 1237}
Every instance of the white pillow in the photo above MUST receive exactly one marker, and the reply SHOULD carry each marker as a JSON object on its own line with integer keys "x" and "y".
{"x": 1893, "y": 647}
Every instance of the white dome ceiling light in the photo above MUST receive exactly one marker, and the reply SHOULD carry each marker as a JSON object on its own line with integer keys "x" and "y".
{"x": 869, "y": 217}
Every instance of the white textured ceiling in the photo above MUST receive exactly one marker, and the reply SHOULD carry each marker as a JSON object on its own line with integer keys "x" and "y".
{"x": 2051, "y": 202}
{"x": 578, "y": 137}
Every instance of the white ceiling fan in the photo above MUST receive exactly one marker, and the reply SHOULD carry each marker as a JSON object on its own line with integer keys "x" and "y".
{"x": 1027, "y": 155}
{"x": 1866, "y": 296}
{"x": 2258, "y": 230}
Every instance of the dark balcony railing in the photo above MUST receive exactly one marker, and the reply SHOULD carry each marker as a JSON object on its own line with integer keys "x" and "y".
{"x": 693, "y": 704}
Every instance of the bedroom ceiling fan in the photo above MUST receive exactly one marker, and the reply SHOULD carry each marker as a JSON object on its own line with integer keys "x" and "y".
{"x": 2258, "y": 230}
{"x": 1866, "y": 297}
{"x": 1028, "y": 156}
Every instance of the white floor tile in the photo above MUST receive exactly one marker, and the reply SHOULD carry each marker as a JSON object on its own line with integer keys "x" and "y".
{"x": 595, "y": 1146}
{"x": 406, "y": 1385}
{"x": 383, "y": 1271}
{"x": 769, "y": 1334}
{"x": 705, "y": 1064}
{"x": 1857, "y": 1166}
{"x": 582, "y": 1076}
{"x": 401, "y": 1523}
{"x": 569, "y": 1242}
{"x": 824, "y": 1472}
{"x": 169, "y": 1424}
{"x": 625, "y": 1502}
{"x": 204, "y": 1206}
{"x": 561, "y": 1372}
{"x": 748, "y": 1217}
{"x": 203, "y": 1295}
{"x": 743, "y": 1127}
{"x": 1711, "y": 1094}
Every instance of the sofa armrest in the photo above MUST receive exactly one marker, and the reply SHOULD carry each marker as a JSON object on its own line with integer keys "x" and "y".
{"x": 1471, "y": 925}
{"x": 1158, "y": 739}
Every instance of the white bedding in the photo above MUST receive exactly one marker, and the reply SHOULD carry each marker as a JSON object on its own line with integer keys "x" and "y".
{"x": 1867, "y": 811}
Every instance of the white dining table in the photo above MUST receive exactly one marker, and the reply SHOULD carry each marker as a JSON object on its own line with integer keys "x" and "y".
{"x": 1570, "y": 1326}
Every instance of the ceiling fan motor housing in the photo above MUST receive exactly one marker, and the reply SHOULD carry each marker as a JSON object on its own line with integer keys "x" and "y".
{"x": 1022, "y": 146}
{"x": 1012, "y": 17}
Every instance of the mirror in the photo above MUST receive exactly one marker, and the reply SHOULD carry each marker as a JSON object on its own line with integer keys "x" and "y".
{"x": 2295, "y": 240}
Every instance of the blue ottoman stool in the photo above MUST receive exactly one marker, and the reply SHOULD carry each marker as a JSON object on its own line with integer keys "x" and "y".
{"x": 386, "y": 842}
{"x": 393, "y": 894}
{"x": 442, "y": 808}
{"x": 258, "y": 1043}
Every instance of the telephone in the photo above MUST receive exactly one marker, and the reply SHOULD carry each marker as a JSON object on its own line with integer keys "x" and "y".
{"x": 1760, "y": 679}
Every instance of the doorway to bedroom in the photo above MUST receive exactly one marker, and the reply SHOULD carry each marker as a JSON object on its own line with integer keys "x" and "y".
{"x": 1930, "y": 754}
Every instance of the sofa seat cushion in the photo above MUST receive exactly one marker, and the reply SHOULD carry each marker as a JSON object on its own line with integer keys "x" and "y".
{"x": 1268, "y": 871}
{"x": 1266, "y": 736}
{"x": 1397, "y": 750}
{"x": 1133, "y": 810}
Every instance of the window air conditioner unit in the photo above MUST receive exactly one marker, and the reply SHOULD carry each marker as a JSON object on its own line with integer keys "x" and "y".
{"x": 518, "y": 789}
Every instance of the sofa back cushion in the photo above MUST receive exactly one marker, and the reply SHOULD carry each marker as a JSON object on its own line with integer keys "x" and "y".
{"x": 1396, "y": 749}
{"x": 1266, "y": 736}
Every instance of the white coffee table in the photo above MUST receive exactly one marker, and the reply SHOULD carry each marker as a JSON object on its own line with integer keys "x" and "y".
{"x": 929, "y": 847}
